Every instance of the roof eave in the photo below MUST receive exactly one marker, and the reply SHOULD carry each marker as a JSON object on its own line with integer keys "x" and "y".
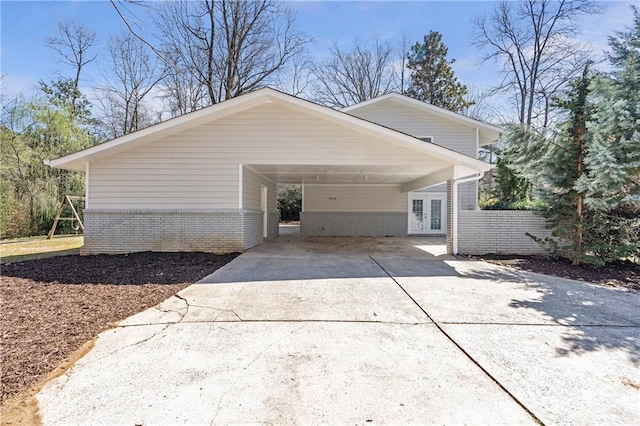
{"x": 426, "y": 107}
{"x": 76, "y": 161}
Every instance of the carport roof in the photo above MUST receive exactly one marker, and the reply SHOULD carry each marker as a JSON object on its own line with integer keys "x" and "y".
{"x": 77, "y": 161}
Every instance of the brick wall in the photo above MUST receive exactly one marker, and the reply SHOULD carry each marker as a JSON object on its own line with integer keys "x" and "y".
{"x": 133, "y": 230}
{"x": 449, "y": 239}
{"x": 252, "y": 231}
{"x": 500, "y": 231}
{"x": 346, "y": 224}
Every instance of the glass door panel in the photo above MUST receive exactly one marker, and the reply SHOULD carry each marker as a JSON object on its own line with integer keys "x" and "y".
{"x": 417, "y": 215}
{"x": 435, "y": 224}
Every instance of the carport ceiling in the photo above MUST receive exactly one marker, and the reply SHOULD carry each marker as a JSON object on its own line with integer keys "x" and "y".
{"x": 342, "y": 174}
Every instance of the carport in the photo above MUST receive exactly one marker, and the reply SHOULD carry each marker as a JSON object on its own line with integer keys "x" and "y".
{"x": 373, "y": 200}
{"x": 206, "y": 181}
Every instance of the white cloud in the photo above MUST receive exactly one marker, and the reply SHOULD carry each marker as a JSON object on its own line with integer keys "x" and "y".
{"x": 596, "y": 29}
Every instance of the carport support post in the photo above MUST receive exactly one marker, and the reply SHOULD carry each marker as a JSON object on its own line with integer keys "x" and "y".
{"x": 452, "y": 214}
{"x": 452, "y": 211}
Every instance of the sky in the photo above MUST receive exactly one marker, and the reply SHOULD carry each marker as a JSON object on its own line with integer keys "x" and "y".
{"x": 25, "y": 58}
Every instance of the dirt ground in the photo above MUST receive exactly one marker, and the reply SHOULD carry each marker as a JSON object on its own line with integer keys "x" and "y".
{"x": 620, "y": 274}
{"x": 51, "y": 307}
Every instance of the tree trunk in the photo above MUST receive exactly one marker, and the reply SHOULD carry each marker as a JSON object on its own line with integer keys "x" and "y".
{"x": 578, "y": 233}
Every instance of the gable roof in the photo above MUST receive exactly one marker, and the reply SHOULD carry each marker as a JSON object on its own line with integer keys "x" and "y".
{"x": 490, "y": 133}
{"x": 77, "y": 161}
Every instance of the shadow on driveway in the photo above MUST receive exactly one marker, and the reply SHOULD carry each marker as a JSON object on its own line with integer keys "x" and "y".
{"x": 596, "y": 317}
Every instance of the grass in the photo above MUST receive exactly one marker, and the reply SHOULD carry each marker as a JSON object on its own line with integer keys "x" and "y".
{"x": 39, "y": 247}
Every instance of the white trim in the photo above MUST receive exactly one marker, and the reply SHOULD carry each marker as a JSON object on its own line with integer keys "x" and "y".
{"x": 443, "y": 212}
{"x": 410, "y": 198}
{"x": 241, "y": 187}
{"x": 86, "y": 185}
{"x": 152, "y": 210}
{"x": 454, "y": 217}
{"x": 260, "y": 174}
{"x": 426, "y": 107}
{"x": 168, "y": 127}
{"x": 353, "y": 184}
{"x": 454, "y": 205}
{"x": 264, "y": 205}
{"x": 425, "y": 196}
{"x": 253, "y": 99}
{"x": 433, "y": 179}
{"x": 302, "y": 206}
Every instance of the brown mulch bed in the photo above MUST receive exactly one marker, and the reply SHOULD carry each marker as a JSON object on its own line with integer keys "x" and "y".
{"x": 619, "y": 274}
{"x": 51, "y": 307}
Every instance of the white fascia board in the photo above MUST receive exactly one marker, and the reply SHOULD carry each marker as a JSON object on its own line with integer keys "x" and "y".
{"x": 76, "y": 160}
{"x": 445, "y": 113}
{"x": 393, "y": 136}
{"x": 166, "y": 128}
{"x": 432, "y": 179}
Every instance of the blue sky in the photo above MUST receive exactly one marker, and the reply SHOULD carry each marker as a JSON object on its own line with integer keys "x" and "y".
{"x": 25, "y": 25}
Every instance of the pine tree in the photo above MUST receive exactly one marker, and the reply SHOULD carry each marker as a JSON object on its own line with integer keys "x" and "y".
{"x": 588, "y": 172}
{"x": 432, "y": 79}
{"x": 614, "y": 130}
{"x": 625, "y": 45}
{"x": 554, "y": 165}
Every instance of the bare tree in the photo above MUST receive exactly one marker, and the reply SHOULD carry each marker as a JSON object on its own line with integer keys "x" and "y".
{"x": 296, "y": 77}
{"x": 360, "y": 73}
{"x": 403, "y": 46}
{"x": 181, "y": 88}
{"x": 227, "y": 47}
{"x": 534, "y": 41}
{"x": 132, "y": 76}
{"x": 74, "y": 43}
{"x": 478, "y": 106}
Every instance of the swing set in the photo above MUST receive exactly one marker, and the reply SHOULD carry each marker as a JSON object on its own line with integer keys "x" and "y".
{"x": 76, "y": 222}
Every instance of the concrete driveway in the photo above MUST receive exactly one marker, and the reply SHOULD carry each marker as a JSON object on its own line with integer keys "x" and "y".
{"x": 348, "y": 330}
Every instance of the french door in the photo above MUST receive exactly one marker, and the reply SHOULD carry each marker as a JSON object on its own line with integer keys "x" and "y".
{"x": 427, "y": 213}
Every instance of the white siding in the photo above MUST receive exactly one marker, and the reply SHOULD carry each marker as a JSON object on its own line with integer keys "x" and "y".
{"x": 251, "y": 188}
{"x": 199, "y": 167}
{"x": 438, "y": 188}
{"x": 467, "y": 194}
{"x": 133, "y": 180}
{"x": 252, "y": 183}
{"x": 417, "y": 123}
{"x": 354, "y": 198}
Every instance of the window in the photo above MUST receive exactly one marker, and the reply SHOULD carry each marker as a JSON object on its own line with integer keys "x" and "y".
{"x": 426, "y": 138}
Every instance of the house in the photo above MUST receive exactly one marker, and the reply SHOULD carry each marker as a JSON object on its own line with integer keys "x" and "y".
{"x": 206, "y": 181}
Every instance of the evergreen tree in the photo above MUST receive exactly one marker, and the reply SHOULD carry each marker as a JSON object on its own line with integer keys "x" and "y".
{"x": 432, "y": 79}
{"x": 554, "y": 164}
{"x": 588, "y": 171}
{"x": 511, "y": 188}
{"x": 613, "y": 176}
{"x": 625, "y": 45}
{"x": 289, "y": 202}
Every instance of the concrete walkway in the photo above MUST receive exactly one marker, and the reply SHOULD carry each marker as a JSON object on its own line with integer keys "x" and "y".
{"x": 373, "y": 330}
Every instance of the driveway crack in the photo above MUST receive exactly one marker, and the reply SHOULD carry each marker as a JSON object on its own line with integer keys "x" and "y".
{"x": 457, "y": 345}
{"x": 250, "y": 364}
